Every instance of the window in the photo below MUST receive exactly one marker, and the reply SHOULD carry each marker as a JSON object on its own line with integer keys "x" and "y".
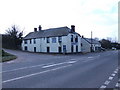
{"x": 53, "y": 40}
{"x": 25, "y": 41}
{"x": 30, "y": 41}
{"x": 34, "y": 41}
{"x": 81, "y": 44}
{"x": 48, "y": 40}
{"x": 59, "y": 39}
{"x": 71, "y": 38}
{"x": 76, "y": 39}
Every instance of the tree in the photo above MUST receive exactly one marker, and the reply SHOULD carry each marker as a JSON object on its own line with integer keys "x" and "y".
{"x": 106, "y": 44}
{"x": 13, "y": 38}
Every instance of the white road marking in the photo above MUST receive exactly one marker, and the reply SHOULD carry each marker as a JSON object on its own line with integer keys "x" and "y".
{"x": 110, "y": 78}
{"x": 73, "y": 59}
{"x": 46, "y": 66}
{"x": 107, "y": 82}
{"x": 90, "y": 57}
{"x": 25, "y": 68}
{"x": 113, "y": 74}
{"x": 115, "y": 71}
{"x": 117, "y": 85}
{"x": 35, "y": 74}
{"x": 103, "y": 86}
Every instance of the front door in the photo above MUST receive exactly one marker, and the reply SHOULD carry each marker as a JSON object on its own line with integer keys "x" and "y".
{"x": 48, "y": 49}
{"x": 72, "y": 48}
{"x": 59, "y": 49}
{"x": 34, "y": 49}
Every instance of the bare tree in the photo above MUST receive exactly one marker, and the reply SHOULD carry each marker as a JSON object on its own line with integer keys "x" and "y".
{"x": 13, "y": 37}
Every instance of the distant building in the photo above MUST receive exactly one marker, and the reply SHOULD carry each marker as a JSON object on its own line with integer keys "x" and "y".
{"x": 54, "y": 40}
{"x": 86, "y": 44}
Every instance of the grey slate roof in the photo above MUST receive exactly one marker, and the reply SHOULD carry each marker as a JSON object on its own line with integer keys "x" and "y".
{"x": 93, "y": 41}
{"x": 52, "y": 32}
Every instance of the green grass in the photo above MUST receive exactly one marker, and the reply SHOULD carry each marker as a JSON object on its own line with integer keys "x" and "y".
{"x": 7, "y": 56}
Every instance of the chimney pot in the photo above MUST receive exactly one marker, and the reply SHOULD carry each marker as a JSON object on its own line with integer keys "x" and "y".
{"x": 72, "y": 28}
{"x": 40, "y": 28}
{"x": 35, "y": 29}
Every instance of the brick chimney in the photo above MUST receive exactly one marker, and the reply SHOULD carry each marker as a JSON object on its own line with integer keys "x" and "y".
{"x": 39, "y": 28}
{"x": 35, "y": 29}
{"x": 72, "y": 28}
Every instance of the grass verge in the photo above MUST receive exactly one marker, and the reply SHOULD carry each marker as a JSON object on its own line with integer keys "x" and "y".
{"x": 7, "y": 56}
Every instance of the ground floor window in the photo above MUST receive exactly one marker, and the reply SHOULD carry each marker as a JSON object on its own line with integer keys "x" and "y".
{"x": 26, "y": 48}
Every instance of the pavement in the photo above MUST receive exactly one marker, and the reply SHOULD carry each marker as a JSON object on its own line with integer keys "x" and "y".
{"x": 34, "y": 70}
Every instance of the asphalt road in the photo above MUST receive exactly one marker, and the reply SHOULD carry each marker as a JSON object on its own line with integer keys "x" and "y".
{"x": 33, "y": 70}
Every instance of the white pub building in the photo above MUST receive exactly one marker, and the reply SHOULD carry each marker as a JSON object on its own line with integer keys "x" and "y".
{"x": 53, "y": 40}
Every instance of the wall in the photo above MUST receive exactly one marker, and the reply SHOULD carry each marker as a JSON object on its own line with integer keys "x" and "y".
{"x": 85, "y": 46}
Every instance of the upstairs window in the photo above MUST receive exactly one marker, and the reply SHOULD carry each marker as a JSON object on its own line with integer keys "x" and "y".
{"x": 48, "y": 40}
{"x": 76, "y": 39}
{"x": 53, "y": 40}
{"x": 71, "y": 38}
{"x": 81, "y": 44}
{"x": 59, "y": 39}
{"x": 25, "y": 41}
{"x": 30, "y": 41}
{"x": 34, "y": 41}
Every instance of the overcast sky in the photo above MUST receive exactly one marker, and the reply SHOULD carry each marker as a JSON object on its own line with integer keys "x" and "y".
{"x": 99, "y": 16}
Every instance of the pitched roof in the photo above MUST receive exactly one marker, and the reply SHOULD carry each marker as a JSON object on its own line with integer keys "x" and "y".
{"x": 52, "y": 32}
{"x": 93, "y": 41}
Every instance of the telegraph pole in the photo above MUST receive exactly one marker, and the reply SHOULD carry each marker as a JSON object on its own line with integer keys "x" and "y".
{"x": 91, "y": 42}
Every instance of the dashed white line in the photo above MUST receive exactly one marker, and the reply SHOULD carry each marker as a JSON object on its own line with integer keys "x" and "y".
{"x": 90, "y": 57}
{"x": 115, "y": 71}
{"x": 25, "y": 68}
{"x": 107, "y": 82}
{"x": 113, "y": 74}
{"x": 73, "y": 59}
{"x": 110, "y": 78}
{"x": 14, "y": 79}
{"x": 103, "y": 86}
{"x": 46, "y": 66}
{"x": 116, "y": 85}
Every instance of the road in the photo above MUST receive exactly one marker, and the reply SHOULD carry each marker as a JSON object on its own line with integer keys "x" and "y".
{"x": 34, "y": 70}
